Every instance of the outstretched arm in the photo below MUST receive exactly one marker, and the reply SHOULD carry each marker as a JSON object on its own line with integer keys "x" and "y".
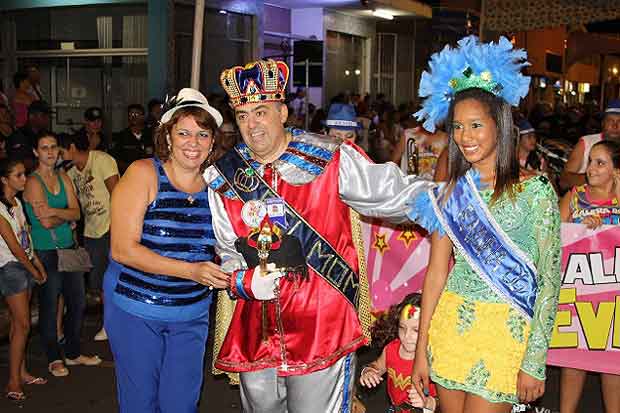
{"x": 376, "y": 190}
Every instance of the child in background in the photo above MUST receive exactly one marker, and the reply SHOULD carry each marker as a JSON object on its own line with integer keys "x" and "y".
{"x": 593, "y": 204}
{"x": 19, "y": 269}
{"x": 397, "y": 333}
{"x": 596, "y": 203}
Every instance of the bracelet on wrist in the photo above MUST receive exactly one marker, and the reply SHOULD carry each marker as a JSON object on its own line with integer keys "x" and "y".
{"x": 367, "y": 368}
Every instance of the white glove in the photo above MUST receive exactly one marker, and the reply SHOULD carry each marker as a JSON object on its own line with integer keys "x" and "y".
{"x": 264, "y": 284}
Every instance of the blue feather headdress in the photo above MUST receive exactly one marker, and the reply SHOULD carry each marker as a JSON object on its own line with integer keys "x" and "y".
{"x": 494, "y": 67}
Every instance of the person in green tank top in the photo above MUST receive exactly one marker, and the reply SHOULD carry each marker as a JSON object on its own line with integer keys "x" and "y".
{"x": 51, "y": 206}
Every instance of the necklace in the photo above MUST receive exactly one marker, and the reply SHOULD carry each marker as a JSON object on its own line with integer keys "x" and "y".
{"x": 190, "y": 197}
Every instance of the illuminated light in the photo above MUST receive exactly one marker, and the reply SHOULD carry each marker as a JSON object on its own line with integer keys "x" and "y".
{"x": 583, "y": 87}
{"x": 383, "y": 14}
{"x": 347, "y": 72}
{"x": 614, "y": 70}
{"x": 223, "y": 12}
{"x": 572, "y": 92}
{"x": 357, "y": 72}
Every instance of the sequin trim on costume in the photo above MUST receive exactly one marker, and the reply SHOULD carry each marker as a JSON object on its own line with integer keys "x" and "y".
{"x": 466, "y": 316}
{"x": 516, "y": 325}
{"x": 176, "y": 225}
{"x": 159, "y": 300}
{"x": 166, "y": 289}
{"x": 478, "y": 375}
{"x": 492, "y": 396}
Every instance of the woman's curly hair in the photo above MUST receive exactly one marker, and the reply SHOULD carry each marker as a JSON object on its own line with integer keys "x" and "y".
{"x": 385, "y": 328}
{"x": 201, "y": 117}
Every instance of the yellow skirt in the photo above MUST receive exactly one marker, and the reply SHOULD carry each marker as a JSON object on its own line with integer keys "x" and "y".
{"x": 477, "y": 347}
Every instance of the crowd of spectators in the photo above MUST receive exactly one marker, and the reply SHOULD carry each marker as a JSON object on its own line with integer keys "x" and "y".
{"x": 83, "y": 167}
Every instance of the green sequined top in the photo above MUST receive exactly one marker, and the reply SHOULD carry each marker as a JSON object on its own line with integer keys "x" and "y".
{"x": 532, "y": 221}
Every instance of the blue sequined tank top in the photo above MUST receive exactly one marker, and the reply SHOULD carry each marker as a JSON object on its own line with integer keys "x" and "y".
{"x": 176, "y": 225}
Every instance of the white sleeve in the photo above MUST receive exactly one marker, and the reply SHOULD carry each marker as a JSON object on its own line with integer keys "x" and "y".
{"x": 377, "y": 190}
{"x": 224, "y": 235}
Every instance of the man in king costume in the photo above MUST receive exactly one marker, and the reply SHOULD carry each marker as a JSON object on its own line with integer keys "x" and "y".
{"x": 294, "y": 332}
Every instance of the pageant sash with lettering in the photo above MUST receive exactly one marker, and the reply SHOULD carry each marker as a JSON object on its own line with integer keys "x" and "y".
{"x": 320, "y": 255}
{"x": 485, "y": 246}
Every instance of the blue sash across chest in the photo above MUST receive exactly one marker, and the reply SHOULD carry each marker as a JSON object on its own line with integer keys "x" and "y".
{"x": 486, "y": 247}
{"x": 320, "y": 255}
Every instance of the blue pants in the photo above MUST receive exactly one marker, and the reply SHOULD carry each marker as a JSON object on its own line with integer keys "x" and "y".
{"x": 71, "y": 286}
{"x": 159, "y": 365}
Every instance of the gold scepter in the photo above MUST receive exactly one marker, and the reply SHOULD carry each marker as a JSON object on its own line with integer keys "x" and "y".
{"x": 263, "y": 246}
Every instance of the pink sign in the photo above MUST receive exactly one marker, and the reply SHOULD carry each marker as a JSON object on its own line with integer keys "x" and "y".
{"x": 397, "y": 257}
{"x": 587, "y": 329}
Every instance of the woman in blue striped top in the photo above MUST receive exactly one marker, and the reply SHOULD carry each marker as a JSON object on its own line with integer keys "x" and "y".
{"x": 159, "y": 282}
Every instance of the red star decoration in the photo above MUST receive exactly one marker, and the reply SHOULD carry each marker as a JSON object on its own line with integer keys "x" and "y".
{"x": 380, "y": 243}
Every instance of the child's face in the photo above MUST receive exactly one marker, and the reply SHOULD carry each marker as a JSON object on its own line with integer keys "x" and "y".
{"x": 600, "y": 169}
{"x": 408, "y": 333}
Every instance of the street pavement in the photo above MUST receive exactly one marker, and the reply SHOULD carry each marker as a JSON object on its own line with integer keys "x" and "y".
{"x": 92, "y": 389}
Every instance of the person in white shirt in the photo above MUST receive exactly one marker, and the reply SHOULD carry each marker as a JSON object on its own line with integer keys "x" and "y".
{"x": 574, "y": 173}
{"x": 94, "y": 174}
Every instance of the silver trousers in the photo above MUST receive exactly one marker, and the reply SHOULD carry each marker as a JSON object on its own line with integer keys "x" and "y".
{"x": 329, "y": 390}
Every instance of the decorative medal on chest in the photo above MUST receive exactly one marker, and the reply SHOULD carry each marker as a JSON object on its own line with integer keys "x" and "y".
{"x": 253, "y": 213}
{"x": 276, "y": 210}
{"x": 246, "y": 180}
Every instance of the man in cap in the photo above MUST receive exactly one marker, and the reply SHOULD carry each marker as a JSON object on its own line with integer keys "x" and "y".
{"x": 574, "y": 173}
{"x": 21, "y": 142}
{"x": 134, "y": 142}
{"x": 528, "y": 143}
{"x": 342, "y": 122}
{"x": 293, "y": 337}
{"x": 93, "y": 129}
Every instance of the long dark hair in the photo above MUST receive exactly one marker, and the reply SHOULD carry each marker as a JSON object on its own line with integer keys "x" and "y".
{"x": 533, "y": 161}
{"x": 507, "y": 164}
{"x": 385, "y": 328}
{"x": 7, "y": 165}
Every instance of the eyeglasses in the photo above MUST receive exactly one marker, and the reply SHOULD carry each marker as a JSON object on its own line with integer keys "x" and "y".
{"x": 135, "y": 114}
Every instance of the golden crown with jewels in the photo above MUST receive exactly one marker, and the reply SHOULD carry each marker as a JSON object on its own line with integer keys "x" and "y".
{"x": 260, "y": 81}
